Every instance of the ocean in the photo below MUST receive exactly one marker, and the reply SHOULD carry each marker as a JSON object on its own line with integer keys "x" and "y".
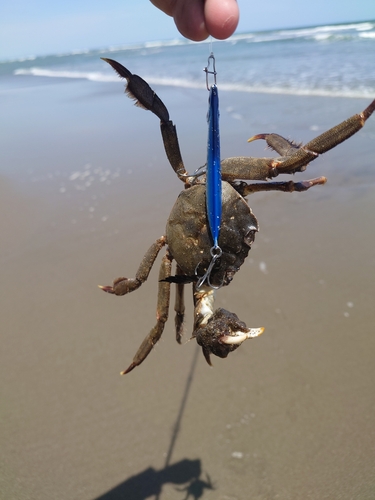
{"x": 332, "y": 60}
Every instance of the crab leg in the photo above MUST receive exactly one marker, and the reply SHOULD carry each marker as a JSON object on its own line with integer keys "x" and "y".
{"x": 161, "y": 315}
{"x": 146, "y": 98}
{"x": 122, "y": 286}
{"x": 287, "y": 187}
{"x": 294, "y": 158}
{"x": 179, "y": 307}
{"x": 327, "y": 140}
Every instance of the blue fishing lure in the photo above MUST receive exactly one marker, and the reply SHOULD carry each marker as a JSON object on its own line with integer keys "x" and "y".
{"x": 213, "y": 172}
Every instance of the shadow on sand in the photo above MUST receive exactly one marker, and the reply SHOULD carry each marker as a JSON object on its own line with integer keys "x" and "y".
{"x": 150, "y": 482}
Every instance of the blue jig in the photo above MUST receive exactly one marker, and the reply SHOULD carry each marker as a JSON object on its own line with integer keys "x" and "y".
{"x": 213, "y": 174}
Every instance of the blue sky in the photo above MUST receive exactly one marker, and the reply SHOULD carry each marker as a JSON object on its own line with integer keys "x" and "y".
{"x": 39, "y": 27}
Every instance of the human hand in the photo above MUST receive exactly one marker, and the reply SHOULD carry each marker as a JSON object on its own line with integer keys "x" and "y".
{"x": 197, "y": 19}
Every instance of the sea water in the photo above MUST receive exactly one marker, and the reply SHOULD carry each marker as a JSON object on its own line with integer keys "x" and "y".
{"x": 332, "y": 60}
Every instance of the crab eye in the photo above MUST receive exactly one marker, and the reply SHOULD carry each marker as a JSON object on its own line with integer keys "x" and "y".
{"x": 250, "y": 235}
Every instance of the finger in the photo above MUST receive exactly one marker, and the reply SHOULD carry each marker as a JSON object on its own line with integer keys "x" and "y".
{"x": 167, "y": 6}
{"x": 189, "y": 18}
{"x": 221, "y": 17}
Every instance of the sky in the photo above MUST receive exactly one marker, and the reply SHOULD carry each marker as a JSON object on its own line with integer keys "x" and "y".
{"x": 41, "y": 27}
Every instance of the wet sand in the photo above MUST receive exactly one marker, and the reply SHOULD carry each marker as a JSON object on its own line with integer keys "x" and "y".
{"x": 85, "y": 189}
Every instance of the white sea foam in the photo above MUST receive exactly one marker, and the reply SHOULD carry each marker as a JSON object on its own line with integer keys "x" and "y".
{"x": 93, "y": 76}
{"x": 184, "y": 83}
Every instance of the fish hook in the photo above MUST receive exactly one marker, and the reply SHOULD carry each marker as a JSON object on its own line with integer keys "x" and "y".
{"x": 216, "y": 252}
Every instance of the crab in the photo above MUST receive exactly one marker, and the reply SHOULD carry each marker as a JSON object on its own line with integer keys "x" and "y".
{"x": 187, "y": 238}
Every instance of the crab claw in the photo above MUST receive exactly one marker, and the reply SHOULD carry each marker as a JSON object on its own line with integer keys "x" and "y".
{"x": 258, "y": 136}
{"x": 223, "y": 333}
{"x": 277, "y": 143}
{"x": 239, "y": 337}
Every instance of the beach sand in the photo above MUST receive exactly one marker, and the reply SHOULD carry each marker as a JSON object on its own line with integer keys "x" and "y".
{"x": 85, "y": 189}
